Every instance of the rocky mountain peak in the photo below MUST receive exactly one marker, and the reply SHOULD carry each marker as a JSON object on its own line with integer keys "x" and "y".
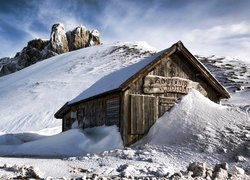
{"x": 60, "y": 42}
{"x": 58, "y": 39}
{"x": 80, "y": 37}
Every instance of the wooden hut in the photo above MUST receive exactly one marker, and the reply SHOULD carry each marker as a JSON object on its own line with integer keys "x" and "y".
{"x": 134, "y": 97}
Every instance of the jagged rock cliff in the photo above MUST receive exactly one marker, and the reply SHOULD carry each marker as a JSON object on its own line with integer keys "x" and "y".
{"x": 60, "y": 42}
{"x": 58, "y": 39}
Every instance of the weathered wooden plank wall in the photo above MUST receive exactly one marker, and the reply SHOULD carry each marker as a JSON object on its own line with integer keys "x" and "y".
{"x": 97, "y": 112}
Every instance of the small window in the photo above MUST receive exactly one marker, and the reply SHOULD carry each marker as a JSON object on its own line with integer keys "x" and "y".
{"x": 113, "y": 111}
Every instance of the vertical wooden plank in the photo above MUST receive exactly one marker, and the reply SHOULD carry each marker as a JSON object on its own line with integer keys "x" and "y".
{"x": 126, "y": 118}
{"x": 143, "y": 114}
{"x": 134, "y": 112}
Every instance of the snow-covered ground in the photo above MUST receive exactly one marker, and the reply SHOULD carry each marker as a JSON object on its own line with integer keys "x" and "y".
{"x": 195, "y": 130}
{"x": 234, "y": 74}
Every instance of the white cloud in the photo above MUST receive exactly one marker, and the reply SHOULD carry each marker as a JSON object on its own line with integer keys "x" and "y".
{"x": 221, "y": 32}
{"x": 220, "y": 39}
{"x": 130, "y": 24}
{"x": 33, "y": 34}
{"x": 50, "y": 12}
{"x": 228, "y": 40}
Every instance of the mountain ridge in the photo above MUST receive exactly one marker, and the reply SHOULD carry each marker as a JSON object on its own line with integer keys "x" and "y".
{"x": 60, "y": 42}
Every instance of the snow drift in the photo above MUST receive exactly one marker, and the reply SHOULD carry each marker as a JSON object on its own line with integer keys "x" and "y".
{"x": 201, "y": 124}
{"x": 73, "y": 142}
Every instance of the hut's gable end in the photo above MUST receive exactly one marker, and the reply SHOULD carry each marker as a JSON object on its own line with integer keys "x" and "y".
{"x": 185, "y": 69}
{"x": 157, "y": 90}
{"x": 173, "y": 76}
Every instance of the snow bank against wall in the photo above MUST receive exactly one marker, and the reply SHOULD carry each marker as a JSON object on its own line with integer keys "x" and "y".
{"x": 70, "y": 143}
{"x": 201, "y": 124}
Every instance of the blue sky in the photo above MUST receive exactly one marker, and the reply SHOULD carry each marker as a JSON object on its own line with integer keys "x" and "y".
{"x": 220, "y": 27}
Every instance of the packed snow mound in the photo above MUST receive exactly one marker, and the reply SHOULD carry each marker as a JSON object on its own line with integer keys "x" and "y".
{"x": 201, "y": 124}
{"x": 73, "y": 142}
{"x": 30, "y": 97}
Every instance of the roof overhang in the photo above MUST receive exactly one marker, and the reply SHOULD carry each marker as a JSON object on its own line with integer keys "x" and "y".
{"x": 96, "y": 96}
{"x": 62, "y": 111}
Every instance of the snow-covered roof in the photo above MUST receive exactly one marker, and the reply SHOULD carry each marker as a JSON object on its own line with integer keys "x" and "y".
{"x": 115, "y": 79}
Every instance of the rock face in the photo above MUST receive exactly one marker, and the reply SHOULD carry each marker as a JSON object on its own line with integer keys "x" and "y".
{"x": 58, "y": 39}
{"x": 4, "y": 68}
{"x": 32, "y": 53}
{"x": 80, "y": 37}
{"x": 198, "y": 169}
{"x": 60, "y": 42}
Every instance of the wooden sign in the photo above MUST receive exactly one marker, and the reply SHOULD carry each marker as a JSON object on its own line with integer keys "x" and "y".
{"x": 160, "y": 85}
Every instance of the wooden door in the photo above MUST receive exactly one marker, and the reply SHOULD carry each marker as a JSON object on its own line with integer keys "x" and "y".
{"x": 165, "y": 104}
{"x": 144, "y": 110}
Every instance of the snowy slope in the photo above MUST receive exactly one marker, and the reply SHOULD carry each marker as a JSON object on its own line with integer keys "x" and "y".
{"x": 231, "y": 72}
{"x": 30, "y": 97}
{"x": 234, "y": 74}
